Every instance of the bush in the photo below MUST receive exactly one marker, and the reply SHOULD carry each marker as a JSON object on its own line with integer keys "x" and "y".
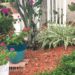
{"x": 6, "y": 24}
{"x": 6, "y": 20}
{"x": 69, "y": 62}
{"x": 56, "y": 36}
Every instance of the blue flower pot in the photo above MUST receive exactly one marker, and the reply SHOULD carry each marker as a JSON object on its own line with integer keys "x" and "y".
{"x": 20, "y": 52}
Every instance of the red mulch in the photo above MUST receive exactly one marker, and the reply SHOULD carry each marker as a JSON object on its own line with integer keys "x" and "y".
{"x": 42, "y": 60}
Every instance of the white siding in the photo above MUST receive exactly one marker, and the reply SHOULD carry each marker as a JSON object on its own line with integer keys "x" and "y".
{"x": 58, "y": 6}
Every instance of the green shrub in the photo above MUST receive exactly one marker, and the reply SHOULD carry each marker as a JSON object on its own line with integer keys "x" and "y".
{"x": 5, "y": 24}
{"x": 56, "y": 36}
{"x": 69, "y": 62}
{"x": 6, "y": 20}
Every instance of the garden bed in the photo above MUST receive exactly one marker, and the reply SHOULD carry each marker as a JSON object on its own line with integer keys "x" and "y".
{"x": 43, "y": 60}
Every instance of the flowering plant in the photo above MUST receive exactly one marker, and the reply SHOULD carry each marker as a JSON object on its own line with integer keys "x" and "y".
{"x": 5, "y": 53}
{"x": 5, "y": 20}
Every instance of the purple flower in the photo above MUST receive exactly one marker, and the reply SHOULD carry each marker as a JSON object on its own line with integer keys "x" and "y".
{"x": 5, "y": 10}
{"x": 12, "y": 49}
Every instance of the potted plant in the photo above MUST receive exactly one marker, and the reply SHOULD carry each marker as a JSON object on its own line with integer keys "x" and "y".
{"x": 4, "y": 57}
{"x": 17, "y": 42}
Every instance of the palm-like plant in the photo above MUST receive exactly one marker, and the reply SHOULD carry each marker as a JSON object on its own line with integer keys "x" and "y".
{"x": 27, "y": 11}
{"x": 26, "y": 8}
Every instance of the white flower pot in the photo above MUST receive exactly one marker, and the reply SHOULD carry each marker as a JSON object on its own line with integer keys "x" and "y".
{"x": 4, "y": 69}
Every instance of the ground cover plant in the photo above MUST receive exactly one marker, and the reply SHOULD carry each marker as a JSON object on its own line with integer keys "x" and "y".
{"x": 56, "y": 36}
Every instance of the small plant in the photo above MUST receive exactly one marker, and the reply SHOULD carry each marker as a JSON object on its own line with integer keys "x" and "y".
{"x": 5, "y": 54}
{"x": 56, "y": 36}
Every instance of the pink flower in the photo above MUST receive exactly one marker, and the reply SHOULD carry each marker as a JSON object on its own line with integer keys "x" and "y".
{"x": 12, "y": 49}
{"x": 2, "y": 44}
{"x": 5, "y": 10}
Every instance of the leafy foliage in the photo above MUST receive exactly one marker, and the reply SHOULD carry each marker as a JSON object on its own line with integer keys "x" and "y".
{"x": 16, "y": 39}
{"x": 72, "y": 6}
{"x": 69, "y": 61}
{"x": 5, "y": 54}
{"x": 5, "y": 24}
{"x": 56, "y": 36}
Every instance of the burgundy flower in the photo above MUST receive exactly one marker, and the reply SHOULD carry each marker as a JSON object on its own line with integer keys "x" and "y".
{"x": 5, "y": 10}
{"x": 2, "y": 44}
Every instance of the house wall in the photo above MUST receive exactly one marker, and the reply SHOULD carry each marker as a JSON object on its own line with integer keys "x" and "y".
{"x": 49, "y": 15}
